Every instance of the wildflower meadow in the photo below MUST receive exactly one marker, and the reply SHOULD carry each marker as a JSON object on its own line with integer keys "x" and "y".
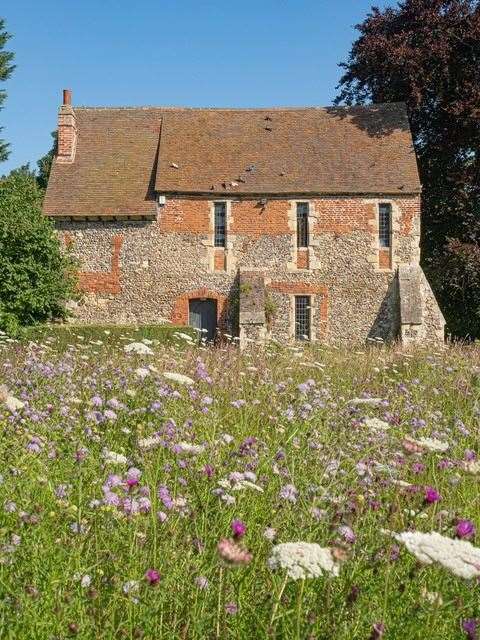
{"x": 162, "y": 489}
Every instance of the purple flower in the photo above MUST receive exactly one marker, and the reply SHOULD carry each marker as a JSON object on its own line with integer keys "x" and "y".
{"x": 164, "y": 495}
{"x": 81, "y": 454}
{"x": 432, "y": 495}
{"x": 238, "y": 528}
{"x": 470, "y": 627}
{"x": 201, "y": 582}
{"x": 231, "y": 608}
{"x": 465, "y": 529}
{"x": 61, "y": 491}
{"x": 208, "y": 470}
{"x": 152, "y": 576}
{"x": 418, "y": 467}
{"x": 289, "y": 492}
{"x": 347, "y": 534}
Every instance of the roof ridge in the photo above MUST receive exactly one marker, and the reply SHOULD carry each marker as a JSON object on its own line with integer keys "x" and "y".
{"x": 273, "y": 108}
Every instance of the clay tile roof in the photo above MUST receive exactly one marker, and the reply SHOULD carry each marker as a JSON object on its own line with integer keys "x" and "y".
{"x": 333, "y": 150}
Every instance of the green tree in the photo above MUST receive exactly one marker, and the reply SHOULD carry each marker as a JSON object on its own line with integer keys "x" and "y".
{"x": 426, "y": 53}
{"x": 45, "y": 163}
{"x": 6, "y": 69}
{"x": 36, "y": 276}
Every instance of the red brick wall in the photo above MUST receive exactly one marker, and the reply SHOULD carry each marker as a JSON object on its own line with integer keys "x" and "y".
{"x": 334, "y": 215}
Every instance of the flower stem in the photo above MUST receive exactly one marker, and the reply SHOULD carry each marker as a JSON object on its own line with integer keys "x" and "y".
{"x": 277, "y": 602}
{"x": 299, "y": 607}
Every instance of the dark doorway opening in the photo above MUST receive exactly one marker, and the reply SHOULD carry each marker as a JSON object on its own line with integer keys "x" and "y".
{"x": 202, "y": 315}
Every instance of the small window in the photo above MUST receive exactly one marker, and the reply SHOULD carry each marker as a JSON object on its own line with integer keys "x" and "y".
{"x": 385, "y": 225}
{"x": 302, "y": 224}
{"x": 302, "y": 317}
{"x": 219, "y": 224}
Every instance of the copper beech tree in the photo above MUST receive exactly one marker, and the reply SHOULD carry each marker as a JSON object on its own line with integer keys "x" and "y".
{"x": 427, "y": 53}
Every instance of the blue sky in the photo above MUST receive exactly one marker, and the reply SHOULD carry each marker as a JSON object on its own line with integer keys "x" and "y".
{"x": 167, "y": 52}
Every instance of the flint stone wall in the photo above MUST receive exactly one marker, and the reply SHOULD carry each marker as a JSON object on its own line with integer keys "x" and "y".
{"x": 157, "y": 262}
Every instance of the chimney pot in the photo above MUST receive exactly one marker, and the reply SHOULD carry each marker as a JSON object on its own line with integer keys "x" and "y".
{"x": 67, "y": 96}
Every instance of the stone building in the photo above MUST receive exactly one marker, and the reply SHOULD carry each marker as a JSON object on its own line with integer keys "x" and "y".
{"x": 290, "y": 223}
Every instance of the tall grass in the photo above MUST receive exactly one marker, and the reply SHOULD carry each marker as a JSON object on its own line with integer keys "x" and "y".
{"x": 73, "y": 562}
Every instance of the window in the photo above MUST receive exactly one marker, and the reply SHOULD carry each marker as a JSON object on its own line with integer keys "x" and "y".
{"x": 219, "y": 223}
{"x": 302, "y": 224}
{"x": 302, "y": 317}
{"x": 384, "y": 225}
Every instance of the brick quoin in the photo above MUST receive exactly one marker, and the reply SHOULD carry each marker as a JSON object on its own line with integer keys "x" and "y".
{"x": 384, "y": 258}
{"x": 219, "y": 260}
{"x": 180, "y": 309}
{"x": 100, "y": 281}
{"x": 306, "y": 289}
{"x": 302, "y": 259}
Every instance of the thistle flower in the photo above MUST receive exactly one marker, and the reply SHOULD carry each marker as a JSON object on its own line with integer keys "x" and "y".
{"x": 465, "y": 529}
{"x": 152, "y": 576}
{"x": 470, "y": 627}
{"x": 238, "y": 528}
{"x": 432, "y": 495}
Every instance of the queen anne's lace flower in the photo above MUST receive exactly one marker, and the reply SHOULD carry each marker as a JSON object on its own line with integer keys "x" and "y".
{"x": 178, "y": 377}
{"x": 192, "y": 449}
{"x": 13, "y": 404}
{"x": 114, "y": 458}
{"x": 138, "y": 348}
{"x": 458, "y": 556}
{"x": 376, "y": 424}
{"x": 430, "y": 444}
{"x": 303, "y": 560}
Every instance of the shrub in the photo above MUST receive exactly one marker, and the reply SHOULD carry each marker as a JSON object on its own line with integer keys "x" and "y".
{"x": 36, "y": 277}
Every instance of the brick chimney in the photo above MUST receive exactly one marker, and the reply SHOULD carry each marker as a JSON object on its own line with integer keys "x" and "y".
{"x": 67, "y": 129}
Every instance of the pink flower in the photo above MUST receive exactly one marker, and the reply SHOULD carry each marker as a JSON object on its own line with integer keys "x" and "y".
{"x": 152, "y": 576}
{"x": 233, "y": 553}
{"x": 465, "y": 529}
{"x": 432, "y": 495}
{"x": 238, "y": 528}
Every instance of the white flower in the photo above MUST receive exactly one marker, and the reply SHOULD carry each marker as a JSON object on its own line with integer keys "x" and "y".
{"x": 139, "y": 348}
{"x": 270, "y": 533}
{"x": 192, "y": 449}
{"x": 246, "y": 484}
{"x": 178, "y": 377}
{"x": 431, "y": 444}
{"x": 460, "y": 557}
{"x": 472, "y": 466}
{"x": 86, "y": 581}
{"x": 13, "y": 404}
{"x": 149, "y": 443}
{"x": 111, "y": 457}
{"x": 372, "y": 401}
{"x": 183, "y": 336}
{"x": 131, "y": 586}
{"x": 142, "y": 373}
{"x": 303, "y": 560}
{"x": 376, "y": 424}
